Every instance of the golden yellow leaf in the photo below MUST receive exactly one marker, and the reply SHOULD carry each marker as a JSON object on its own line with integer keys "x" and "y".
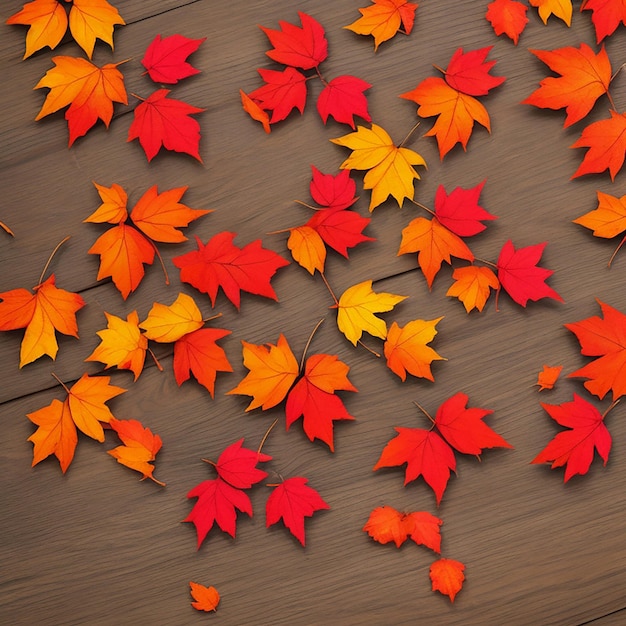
{"x": 307, "y": 248}
{"x": 167, "y": 324}
{"x": 560, "y": 8}
{"x": 91, "y": 20}
{"x": 609, "y": 219}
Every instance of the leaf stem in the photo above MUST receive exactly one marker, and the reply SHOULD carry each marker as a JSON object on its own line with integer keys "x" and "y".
{"x": 7, "y": 229}
{"x": 329, "y": 289}
{"x": 60, "y": 382}
{"x": 156, "y": 361}
{"x": 308, "y": 343}
{"x": 440, "y": 69}
{"x": 156, "y": 250}
{"x": 409, "y": 134}
{"x": 266, "y": 435}
{"x": 368, "y": 348}
{"x": 45, "y": 269}
{"x": 319, "y": 74}
{"x": 612, "y": 406}
{"x": 213, "y": 317}
{"x": 621, "y": 243}
{"x": 308, "y": 206}
{"x": 422, "y": 206}
{"x": 610, "y": 97}
{"x": 424, "y": 411}
{"x": 486, "y": 262}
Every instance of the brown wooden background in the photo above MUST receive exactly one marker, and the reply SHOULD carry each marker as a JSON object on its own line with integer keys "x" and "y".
{"x": 98, "y": 546}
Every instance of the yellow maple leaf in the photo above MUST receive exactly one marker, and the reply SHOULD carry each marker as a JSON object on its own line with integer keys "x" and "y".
{"x": 560, "y": 8}
{"x": 273, "y": 369}
{"x": 609, "y": 219}
{"x": 121, "y": 344}
{"x": 167, "y": 324}
{"x": 390, "y": 168}
{"x": 307, "y": 248}
{"x": 473, "y": 285}
{"x": 406, "y": 349}
{"x": 91, "y": 20}
{"x": 356, "y": 308}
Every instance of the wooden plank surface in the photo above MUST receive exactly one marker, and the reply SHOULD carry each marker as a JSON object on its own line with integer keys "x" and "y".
{"x": 97, "y": 546}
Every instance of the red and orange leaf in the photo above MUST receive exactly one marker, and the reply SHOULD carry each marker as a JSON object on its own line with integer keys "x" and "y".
{"x": 606, "y": 141}
{"x": 165, "y": 59}
{"x": 333, "y": 191}
{"x": 217, "y": 502}
{"x": 91, "y": 20}
{"x": 159, "y": 215}
{"x": 113, "y": 209}
{"x": 307, "y": 248}
{"x": 313, "y": 397}
{"x": 123, "y": 252}
{"x": 575, "y": 448}
{"x": 608, "y": 219}
{"x": 473, "y": 285}
{"x": 606, "y": 15}
{"x": 220, "y": 263}
{"x": 342, "y": 98}
{"x": 292, "y": 501}
{"x": 140, "y": 447}
{"x": 340, "y": 229}
{"x": 547, "y": 378}
{"x": 425, "y": 453}
{"x": 559, "y": 8}
{"x": 48, "y": 310}
{"x": 121, "y": 344}
{"x": 519, "y": 275}
{"x": 197, "y": 353}
{"x": 282, "y": 92}
{"x": 434, "y": 243}
{"x": 447, "y": 577}
{"x": 255, "y": 111}
{"x": 47, "y": 22}
{"x": 167, "y": 324}
{"x": 165, "y": 122}
{"x": 460, "y": 211}
{"x": 604, "y": 338}
{"x": 206, "y": 598}
{"x": 468, "y": 72}
{"x": 238, "y": 465}
{"x": 272, "y": 371}
{"x": 585, "y": 76}
{"x": 406, "y": 348}
{"x": 89, "y": 90}
{"x": 507, "y": 17}
{"x": 304, "y": 47}
{"x": 463, "y": 428}
{"x": 386, "y": 524}
{"x": 384, "y": 19}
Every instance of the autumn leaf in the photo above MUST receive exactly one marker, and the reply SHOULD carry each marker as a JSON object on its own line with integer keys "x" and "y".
{"x": 447, "y": 577}
{"x": 547, "y": 378}
{"x": 472, "y": 286}
{"x": 384, "y": 19}
{"x": 507, "y": 17}
{"x": 167, "y": 324}
{"x": 386, "y": 524}
{"x": 342, "y": 98}
{"x": 255, "y": 111}
{"x": 585, "y": 76}
{"x": 575, "y": 447}
{"x": 304, "y": 47}
{"x": 468, "y": 72}
{"x": 89, "y": 90}
{"x": 559, "y": 8}
{"x": 390, "y": 168}
{"x": 165, "y": 59}
{"x": 606, "y": 16}
{"x": 434, "y": 244}
{"x": 606, "y": 141}
{"x": 48, "y": 310}
{"x": 206, "y": 598}
{"x": 406, "y": 348}
{"x": 357, "y": 307}
{"x": 140, "y": 447}
{"x": 520, "y": 276}
{"x": 292, "y": 501}
{"x": 6, "y": 229}
{"x": 333, "y": 191}
{"x": 307, "y": 248}
{"x": 220, "y": 263}
{"x": 165, "y": 122}
{"x": 460, "y": 212}
{"x": 282, "y": 92}
{"x": 238, "y": 465}
{"x": 122, "y": 344}
{"x": 339, "y": 228}
{"x": 84, "y": 408}
{"x": 91, "y": 20}
{"x": 604, "y": 338}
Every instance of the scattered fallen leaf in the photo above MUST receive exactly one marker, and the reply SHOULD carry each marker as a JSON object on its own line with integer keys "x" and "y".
{"x": 167, "y": 324}
{"x": 238, "y": 465}
{"x": 342, "y": 98}
{"x": 255, "y": 111}
{"x": 447, "y": 577}
{"x": 473, "y": 285}
{"x": 282, "y": 92}
{"x": 559, "y": 8}
{"x": 547, "y": 378}
{"x": 507, "y": 17}
{"x": 606, "y": 16}
{"x": 206, "y": 598}
{"x": 165, "y": 59}
{"x": 468, "y": 72}
{"x": 460, "y": 212}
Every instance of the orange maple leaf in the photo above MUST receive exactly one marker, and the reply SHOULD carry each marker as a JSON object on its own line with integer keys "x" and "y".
{"x": 121, "y": 344}
{"x": 89, "y": 90}
{"x": 406, "y": 349}
{"x": 91, "y": 20}
{"x": 384, "y": 19}
{"x": 255, "y": 111}
{"x": 585, "y": 77}
{"x": 140, "y": 447}
{"x": 206, "y": 598}
{"x": 435, "y": 244}
{"x": 473, "y": 285}
{"x": 606, "y": 141}
{"x": 559, "y": 8}
{"x": 447, "y": 577}
{"x": 548, "y": 376}
{"x": 507, "y": 17}
{"x": 41, "y": 313}
{"x": 307, "y": 248}
{"x": 84, "y": 407}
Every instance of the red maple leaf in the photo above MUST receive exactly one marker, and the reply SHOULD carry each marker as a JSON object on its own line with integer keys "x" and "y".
{"x": 574, "y": 448}
{"x": 220, "y": 263}
{"x": 341, "y": 229}
{"x": 283, "y": 91}
{"x": 166, "y": 59}
{"x": 237, "y": 465}
{"x": 468, "y": 72}
{"x": 606, "y": 15}
{"x": 460, "y": 211}
{"x": 507, "y": 17}
{"x": 342, "y": 98}
{"x": 333, "y": 191}
{"x": 519, "y": 275}
{"x": 293, "y": 500}
{"x": 304, "y": 47}
{"x": 162, "y": 121}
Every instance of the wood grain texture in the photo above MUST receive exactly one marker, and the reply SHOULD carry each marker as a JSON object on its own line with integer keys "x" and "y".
{"x": 98, "y": 546}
